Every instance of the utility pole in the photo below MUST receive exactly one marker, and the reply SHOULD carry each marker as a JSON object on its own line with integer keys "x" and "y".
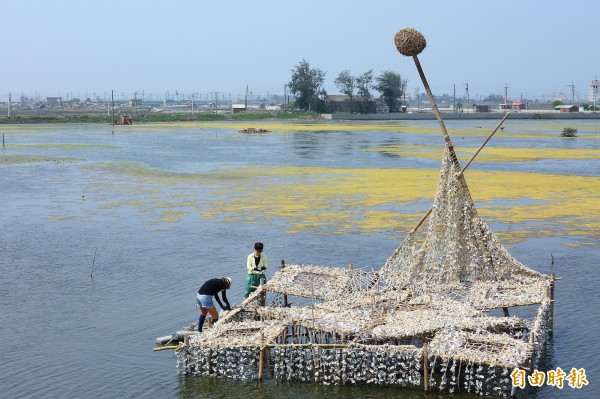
{"x": 284, "y": 97}
{"x": 467, "y": 90}
{"x": 9, "y": 105}
{"x": 454, "y": 99}
{"x": 246, "y": 99}
{"x": 595, "y": 90}
{"x": 112, "y": 106}
{"x": 572, "y": 86}
{"x": 418, "y": 100}
{"x": 506, "y": 95}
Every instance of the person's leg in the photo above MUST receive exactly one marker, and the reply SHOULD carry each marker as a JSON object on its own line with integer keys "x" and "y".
{"x": 206, "y": 304}
{"x": 252, "y": 281}
{"x": 203, "y": 312}
{"x": 214, "y": 314}
{"x": 247, "y": 290}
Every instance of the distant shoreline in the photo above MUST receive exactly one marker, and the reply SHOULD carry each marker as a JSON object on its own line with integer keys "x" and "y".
{"x": 467, "y": 116}
{"x": 290, "y": 116}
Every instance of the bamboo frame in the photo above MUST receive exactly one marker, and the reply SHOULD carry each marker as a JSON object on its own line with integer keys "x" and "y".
{"x": 367, "y": 316}
{"x": 462, "y": 171}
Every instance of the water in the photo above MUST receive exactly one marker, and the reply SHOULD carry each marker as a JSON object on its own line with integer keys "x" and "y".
{"x": 107, "y": 234}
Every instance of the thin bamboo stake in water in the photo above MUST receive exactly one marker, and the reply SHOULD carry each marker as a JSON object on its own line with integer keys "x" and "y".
{"x": 93, "y": 263}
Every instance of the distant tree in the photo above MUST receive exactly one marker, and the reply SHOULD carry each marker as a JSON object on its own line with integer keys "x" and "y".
{"x": 556, "y": 103}
{"x": 363, "y": 84}
{"x": 392, "y": 87}
{"x": 346, "y": 83}
{"x": 306, "y": 86}
{"x": 494, "y": 98}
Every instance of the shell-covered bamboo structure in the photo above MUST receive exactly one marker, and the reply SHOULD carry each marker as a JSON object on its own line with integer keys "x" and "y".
{"x": 435, "y": 316}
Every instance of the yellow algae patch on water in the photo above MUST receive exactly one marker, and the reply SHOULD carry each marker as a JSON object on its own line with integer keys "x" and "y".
{"x": 70, "y": 218}
{"x": 14, "y": 159}
{"x": 171, "y": 216}
{"x": 55, "y": 146}
{"x": 410, "y": 151}
{"x": 487, "y": 186}
{"x": 493, "y": 154}
{"x": 541, "y": 204}
{"x": 142, "y": 172}
{"x": 490, "y": 154}
{"x": 350, "y": 200}
{"x": 374, "y": 200}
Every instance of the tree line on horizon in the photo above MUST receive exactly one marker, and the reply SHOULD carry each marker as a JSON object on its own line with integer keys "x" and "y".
{"x": 306, "y": 86}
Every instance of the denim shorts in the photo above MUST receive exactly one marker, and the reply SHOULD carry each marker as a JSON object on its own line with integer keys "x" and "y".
{"x": 205, "y": 301}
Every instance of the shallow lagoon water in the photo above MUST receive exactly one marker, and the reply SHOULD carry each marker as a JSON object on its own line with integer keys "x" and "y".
{"x": 108, "y": 232}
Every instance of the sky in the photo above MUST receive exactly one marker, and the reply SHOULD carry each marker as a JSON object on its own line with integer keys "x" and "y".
{"x": 535, "y": 48}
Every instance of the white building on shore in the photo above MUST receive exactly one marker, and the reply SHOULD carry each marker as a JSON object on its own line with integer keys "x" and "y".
{"x": 594, "y": 91}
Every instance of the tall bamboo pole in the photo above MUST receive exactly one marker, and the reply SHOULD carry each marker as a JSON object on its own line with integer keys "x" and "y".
{"x": 411, "y": 42}
{"x": 438, "y": 115}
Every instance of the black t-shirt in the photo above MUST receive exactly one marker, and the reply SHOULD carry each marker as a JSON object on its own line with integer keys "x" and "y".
{"x": 213, "y": 287}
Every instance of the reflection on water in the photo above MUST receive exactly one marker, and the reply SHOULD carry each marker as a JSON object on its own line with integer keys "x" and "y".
{"x": 165, "y": 207}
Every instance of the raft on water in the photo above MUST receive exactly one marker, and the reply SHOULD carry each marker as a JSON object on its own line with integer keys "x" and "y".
{"x": 254, "y": 130}
{"x": 434, "y": 316}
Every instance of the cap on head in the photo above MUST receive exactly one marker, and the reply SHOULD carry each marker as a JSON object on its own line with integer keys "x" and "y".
{"x": 410, "y": 42}
{"x": 228, "y": 281}
{"x": 258, "y": 246}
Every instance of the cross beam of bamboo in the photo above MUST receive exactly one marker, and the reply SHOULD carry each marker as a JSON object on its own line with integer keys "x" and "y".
{"x": 460, "y": 173}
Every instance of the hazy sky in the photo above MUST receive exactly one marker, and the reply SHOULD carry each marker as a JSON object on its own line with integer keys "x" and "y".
{"x": 535, "y": 47}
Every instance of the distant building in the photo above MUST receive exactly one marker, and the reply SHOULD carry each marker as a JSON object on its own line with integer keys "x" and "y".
{"x": 481, "y": 108}
{"x": 518, "y": 105}
{"x": 53, "y": 100}
{"x": 135, "y": 102}
{"x": 567, "y": 108}
{"x": 340, "y": 103}
{"x": 235, "y": 108}
{"x": 382, "y": 109}
{"x": 594, "y": 91}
